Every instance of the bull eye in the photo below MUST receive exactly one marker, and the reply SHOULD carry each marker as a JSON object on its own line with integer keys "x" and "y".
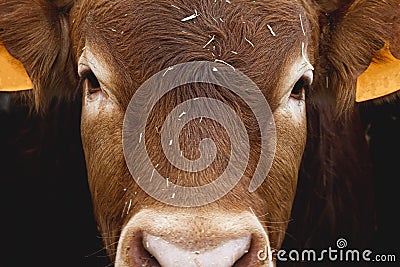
{"x": 91, "y": 84}
{"x": 301, "y": 87}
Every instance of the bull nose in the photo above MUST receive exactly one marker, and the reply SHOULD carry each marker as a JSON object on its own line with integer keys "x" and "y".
{"x": 171, "y": 255}
{"x": 199, "y": 238}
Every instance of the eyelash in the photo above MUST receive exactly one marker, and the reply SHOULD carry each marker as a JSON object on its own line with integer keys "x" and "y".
{"x": 92, "y": 83}
{"x": 301, "y": 87}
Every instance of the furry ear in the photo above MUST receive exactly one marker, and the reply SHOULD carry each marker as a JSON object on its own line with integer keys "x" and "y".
{"x": 350, "y": 41}
{"x": 37, "y": 34}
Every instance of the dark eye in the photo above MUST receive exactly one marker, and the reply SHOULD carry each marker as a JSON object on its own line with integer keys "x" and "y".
{"x": 91, "y": 83}
{"x": 302, "y": 86}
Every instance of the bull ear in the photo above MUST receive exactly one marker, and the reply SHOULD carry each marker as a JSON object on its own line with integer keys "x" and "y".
{"x": 353, "y": 40}
{"x": 36, "y": 33}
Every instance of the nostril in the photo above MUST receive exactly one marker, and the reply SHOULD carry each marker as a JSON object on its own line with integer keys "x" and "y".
{"x": 252, "y": 258}
{"x": 167, "y": 254}
{"x": 138, "y": 254}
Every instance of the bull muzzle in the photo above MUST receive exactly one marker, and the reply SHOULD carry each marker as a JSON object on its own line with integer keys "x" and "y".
{"x": 172, "y": 239}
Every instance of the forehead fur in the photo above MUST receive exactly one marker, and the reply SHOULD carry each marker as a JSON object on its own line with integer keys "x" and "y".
{"x": 140, "y": 38}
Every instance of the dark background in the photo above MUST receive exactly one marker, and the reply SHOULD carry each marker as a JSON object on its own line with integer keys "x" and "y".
{"x": 45, "y": 201}
{"x": 46, "y": 216}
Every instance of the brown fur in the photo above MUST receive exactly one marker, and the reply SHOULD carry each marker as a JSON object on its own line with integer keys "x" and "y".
{"x": 166, "y": 34}
{"x": 151, "y": 37}
{"x": 142, "y": 55}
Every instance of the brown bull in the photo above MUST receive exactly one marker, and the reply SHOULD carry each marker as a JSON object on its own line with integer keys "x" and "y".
{"x": 299, "y": 53}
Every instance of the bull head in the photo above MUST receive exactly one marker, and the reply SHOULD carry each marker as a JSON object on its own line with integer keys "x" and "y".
{"x": 104, "y": 51}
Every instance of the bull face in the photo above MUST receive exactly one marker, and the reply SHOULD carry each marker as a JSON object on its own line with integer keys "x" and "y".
{"x": 117, "y": 57}
{"x": 110, "y": 49}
